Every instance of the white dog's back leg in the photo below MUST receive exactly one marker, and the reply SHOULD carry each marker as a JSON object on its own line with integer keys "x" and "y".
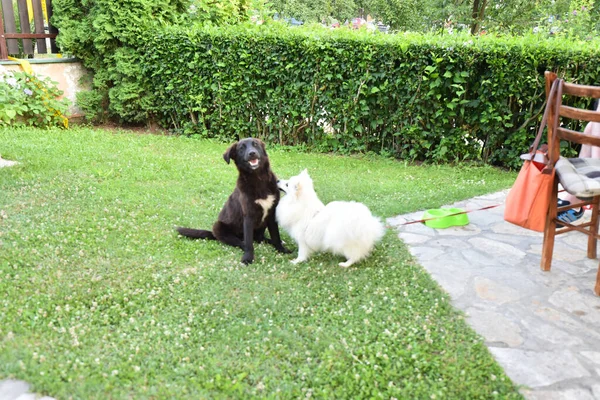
{"x": 354, "y": 252}
{"x": 347, "y": 263}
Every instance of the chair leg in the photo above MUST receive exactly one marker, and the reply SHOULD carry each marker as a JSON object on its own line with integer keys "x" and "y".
{"x": 550, "y": 229}
{"x": 592, "y": 241}
{"x": 597, "y": 287}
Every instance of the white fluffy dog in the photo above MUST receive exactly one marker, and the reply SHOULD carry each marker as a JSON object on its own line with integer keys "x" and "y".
{"x": 344, "y": 228}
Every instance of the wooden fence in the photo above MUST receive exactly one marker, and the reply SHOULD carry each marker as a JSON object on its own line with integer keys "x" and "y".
{"x": 19, "y": 40}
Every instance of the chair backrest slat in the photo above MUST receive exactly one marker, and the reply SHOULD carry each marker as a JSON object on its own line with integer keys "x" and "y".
{"x": 577, "y": 137}
{"x": 574, "y": 89}
{"x": 558, "y": 124}
{"x": 579, "y": 113}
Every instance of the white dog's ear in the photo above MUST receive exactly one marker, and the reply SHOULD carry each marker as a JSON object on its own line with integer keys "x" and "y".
{"x": 298, "y": 189}
{"x": 304, "y": 173}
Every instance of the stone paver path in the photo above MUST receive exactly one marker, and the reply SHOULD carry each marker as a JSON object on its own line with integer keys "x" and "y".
{"x": 6, "y": 163}
{"x": 543, "y": 328}
{"x": 18, "y": 390}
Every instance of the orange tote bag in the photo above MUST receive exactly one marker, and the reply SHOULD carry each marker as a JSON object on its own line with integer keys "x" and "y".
{"x": 528, "y": 201}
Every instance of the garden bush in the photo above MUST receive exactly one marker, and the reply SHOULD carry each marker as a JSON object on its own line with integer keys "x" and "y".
{"x": 110, "y": 36}
{"x": 26, "y": 100}
{"x": 107, "y": 36}
{"x": 417, "y": 97}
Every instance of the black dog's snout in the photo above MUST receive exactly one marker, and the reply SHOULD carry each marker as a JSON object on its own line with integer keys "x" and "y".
{"x": 252, "y": 153}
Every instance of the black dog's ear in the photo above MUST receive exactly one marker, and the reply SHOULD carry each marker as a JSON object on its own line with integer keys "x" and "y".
{"x": 262, "y": 145}
{"x": 230, "y": 153}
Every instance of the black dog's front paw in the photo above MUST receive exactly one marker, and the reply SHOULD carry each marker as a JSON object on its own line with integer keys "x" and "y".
{"x": 282, "y": 249}
{"x": 248, "y": 258}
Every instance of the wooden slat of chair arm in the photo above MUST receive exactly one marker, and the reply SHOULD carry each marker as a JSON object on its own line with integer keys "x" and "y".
{"x": 581, "y": 90}
{"x": 577, "y": 137}
{"x": 580, "y": 114}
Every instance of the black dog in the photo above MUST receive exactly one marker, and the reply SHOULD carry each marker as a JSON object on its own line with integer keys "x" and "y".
{"x": 250, "y": 209}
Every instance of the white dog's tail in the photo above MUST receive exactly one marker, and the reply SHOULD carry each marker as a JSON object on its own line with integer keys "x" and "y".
{"x": 374, "y": 229}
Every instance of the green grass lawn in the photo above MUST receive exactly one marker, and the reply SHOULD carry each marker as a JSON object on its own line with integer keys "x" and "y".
{"x": 101, "y": 299}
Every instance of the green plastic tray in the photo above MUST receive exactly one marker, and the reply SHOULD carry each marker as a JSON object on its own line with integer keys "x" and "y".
{"x": 443, "y": 218}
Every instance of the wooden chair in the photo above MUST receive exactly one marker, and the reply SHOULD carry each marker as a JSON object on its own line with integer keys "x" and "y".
{"x": 578, "y": 176}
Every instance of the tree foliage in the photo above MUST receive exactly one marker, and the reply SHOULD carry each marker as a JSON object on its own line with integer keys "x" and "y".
{"x": 570, "y": 17}
{"x": 315, "y": 10}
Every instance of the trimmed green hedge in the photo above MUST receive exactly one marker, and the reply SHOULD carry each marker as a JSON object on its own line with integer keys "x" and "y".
{"x": 435, "y": 98}
{"x": 108, "y": 36}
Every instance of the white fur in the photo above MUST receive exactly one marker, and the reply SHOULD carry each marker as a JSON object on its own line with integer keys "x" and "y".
{"x": 266, "y": 205}
{"x": 344, "y": 228}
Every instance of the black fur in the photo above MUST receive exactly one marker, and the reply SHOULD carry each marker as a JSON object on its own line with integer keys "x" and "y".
{"x": 241, "y": 221}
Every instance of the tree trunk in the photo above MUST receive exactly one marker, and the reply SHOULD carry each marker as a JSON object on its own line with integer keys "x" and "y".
{"x": 478, "y": 14}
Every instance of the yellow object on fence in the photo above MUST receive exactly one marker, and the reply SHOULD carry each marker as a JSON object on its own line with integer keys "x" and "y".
{"x": 27, "y": 68}
{"x": 30, "y": 10}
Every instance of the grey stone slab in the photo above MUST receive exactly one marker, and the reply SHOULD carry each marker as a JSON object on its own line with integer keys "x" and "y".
{"x": 423, "y": 253}
{"x": 10, "y": 389}
{"x": 549, "y": 280}
{"x": 482, "y": 219}
{"x": 27, "y": 396}
{"x": 516, "y": 280}
{"x": 512, "y": 240}
{"x": 449, "y": 243}
{"x": 478, "y": 258}
{"x": 501, "y": 251}
{"x": 420, "y": 229}
{"x": 6, "y": 163}
{"x": 510, "y": 229}
{"x": 32, "y": 396}
{"x": 593, "y": 356}
{"x": 585, "y": 306}
{"x": 567, "y": 322}
{"x": 495, "y": 292}
{"x": 543, "y": 333}
{"x": 577, "y": 269}
{"x": 400, "y": 220}
{"x": 596, "y": 391}
{"x": 497, "y": 196}
{"x": 561, "y": 252}
{"x": 539, "y": 369}
{"x": 575, "y": 240}
{"x": 465, "y": 230}
{"x": 569, "y": 394}
{"x": 453, "y": 280}
{"x": 592, "y": 265}
{"x": 495, "y": 327}
{"x": 397, "y": 221}
{"x": 413, "y": 238}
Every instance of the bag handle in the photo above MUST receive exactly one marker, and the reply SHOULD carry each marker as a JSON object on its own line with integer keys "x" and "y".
{"x": 559, "y": 92}
{"x": 549, "y": 103}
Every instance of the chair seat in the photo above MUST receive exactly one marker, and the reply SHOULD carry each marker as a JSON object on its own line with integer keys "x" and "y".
{"x": 579, "y": 176}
